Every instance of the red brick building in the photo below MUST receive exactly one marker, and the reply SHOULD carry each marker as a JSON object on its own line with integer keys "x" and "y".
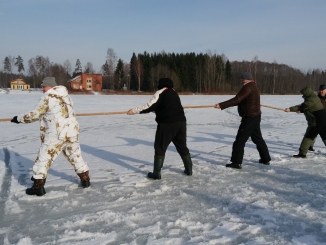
{"x": 85, "y": 81}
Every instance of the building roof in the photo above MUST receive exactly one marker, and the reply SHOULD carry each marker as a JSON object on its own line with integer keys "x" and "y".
{"x": 19, "y": 81}
{"x": 75, "y": 78}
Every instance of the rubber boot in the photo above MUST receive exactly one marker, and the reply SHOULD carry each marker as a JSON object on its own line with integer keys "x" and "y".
{"x": 234, "y": 165}
{"x": 84, "y": 178}
{"x": 188, "y": 164}
{"x": 305, "y": 144}
{"x": 37, "y": 188}
{"x": 158, "y": 163}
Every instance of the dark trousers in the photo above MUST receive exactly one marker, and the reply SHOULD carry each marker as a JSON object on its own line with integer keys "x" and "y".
{"x": 313, "y": 131}
{"x": 249, "y": 127}
{"x": 171, "y": 132}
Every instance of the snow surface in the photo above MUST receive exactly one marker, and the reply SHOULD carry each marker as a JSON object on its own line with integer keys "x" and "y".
{"x": 284, "y": 203}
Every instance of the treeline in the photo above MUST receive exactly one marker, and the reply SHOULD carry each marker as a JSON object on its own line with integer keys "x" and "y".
{"x": 197, "y": 73}
{"x": 38, "y": 68}
{"x": 212, "y": 73}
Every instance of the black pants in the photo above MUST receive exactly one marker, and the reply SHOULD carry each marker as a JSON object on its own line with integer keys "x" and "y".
{"x": 171, "y": 132}
{"x": 249, "y": 127}
{"x": 313, "y": 131}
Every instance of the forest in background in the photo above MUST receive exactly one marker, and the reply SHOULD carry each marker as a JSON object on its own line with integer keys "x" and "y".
{"x": 204, "y": 73}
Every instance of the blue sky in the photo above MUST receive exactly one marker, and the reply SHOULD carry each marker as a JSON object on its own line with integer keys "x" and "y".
{"x": 291, "y": 32}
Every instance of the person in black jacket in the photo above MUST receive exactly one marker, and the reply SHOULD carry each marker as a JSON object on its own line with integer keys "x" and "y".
{"x": 171, "y": 126}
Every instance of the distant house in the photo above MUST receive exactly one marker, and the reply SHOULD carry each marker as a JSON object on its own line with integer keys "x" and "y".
{"x": 85, "y": 81}
{"x": 19, "y": 84}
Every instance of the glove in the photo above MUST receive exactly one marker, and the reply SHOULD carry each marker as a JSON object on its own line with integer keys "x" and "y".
{"x": 14, "y": 120}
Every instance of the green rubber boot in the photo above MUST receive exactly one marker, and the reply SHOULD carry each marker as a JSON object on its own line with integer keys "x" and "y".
{"x": 305, "y": 144}
{"x": 188, "y": 164}
{"x": 158, "y": 164}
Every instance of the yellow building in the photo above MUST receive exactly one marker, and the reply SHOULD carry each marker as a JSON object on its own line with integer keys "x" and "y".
{"x": 19, "y": 84}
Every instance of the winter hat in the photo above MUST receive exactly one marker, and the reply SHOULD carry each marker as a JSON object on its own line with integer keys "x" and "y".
{"x": 246, "y": 75}
{"x": 322, "y": 87}
{"x": 49, "y": 82}
{"x": 165, "y": 82}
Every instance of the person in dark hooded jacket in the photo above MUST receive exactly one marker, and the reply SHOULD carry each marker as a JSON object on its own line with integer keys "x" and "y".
{"x": 171, "y": 126}
{"x": 313, "y": 110}
{"x": 321, "y": 95}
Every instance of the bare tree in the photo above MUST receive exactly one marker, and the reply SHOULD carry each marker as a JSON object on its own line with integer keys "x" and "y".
{"x": 126, "y": 70}
{"x": 42, "y": 65}
{"x": 254, "y": 61}
{"x": 274, "y": 76}
{"x": 89, "y": 68}
{"x": 59, "y": 72}
{"x": 137, "y": 69}
{"x": 68, "y": 66}
{"x": 12, "y": 62}
{"x": 32, "y": 71}
{"x": 111, "y": 58}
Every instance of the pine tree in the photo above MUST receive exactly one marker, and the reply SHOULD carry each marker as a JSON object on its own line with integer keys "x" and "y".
{"x": 78, "y": 68}
{"x": 228, "y": 71}
{"x": 118, "y": 74}
{"x": 136, "y": 70}
{"x": 106, "y": 73}
{"x": 6, "y": 65}
{"x": 19, "y": 64}
{"x": 6, "y": 69}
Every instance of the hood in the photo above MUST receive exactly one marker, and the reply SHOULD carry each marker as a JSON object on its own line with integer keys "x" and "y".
{"x": 306, "y": 92}
{"x": 58, "y": 90}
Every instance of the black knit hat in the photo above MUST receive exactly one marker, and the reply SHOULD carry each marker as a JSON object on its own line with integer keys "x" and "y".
{"x": 165, "y": 82}
{"x": 246, "y": 75}
{"x": 322, "y": 87}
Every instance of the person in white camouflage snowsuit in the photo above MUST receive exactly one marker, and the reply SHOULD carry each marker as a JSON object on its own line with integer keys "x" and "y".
{"x": 59, "y": 133}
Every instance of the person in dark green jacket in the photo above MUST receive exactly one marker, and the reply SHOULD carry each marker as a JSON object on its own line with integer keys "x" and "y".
{"x": 315, "y": 114}
{"x": 321, "y": 95}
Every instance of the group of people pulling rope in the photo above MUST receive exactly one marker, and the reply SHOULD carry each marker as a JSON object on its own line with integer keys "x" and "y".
{"x": 60, "y": 130}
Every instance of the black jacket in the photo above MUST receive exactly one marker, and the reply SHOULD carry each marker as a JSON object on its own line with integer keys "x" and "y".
{"x": 167, "y": 106}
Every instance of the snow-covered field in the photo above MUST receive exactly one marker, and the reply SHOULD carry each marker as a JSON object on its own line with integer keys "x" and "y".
{"x": 284, "y": 203}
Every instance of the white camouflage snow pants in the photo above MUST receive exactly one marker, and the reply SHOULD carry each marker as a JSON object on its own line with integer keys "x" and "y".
{"x": 49, "y": 151}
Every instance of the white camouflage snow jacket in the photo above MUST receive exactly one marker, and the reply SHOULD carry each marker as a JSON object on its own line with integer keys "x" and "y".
{"x": 56, "y": 115}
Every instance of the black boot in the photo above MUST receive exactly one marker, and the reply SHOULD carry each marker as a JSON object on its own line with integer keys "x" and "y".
{"x": 233, "y": 165}
{"x": 188, "y": 164}
{"x": 84, "y": 178}
{"x": 158, "y": 163}
{"x": 300, "y": 155}
{"x": 264, "y": 162}
{"x": 311, "y": 148}
{"x": 37, "y": 188}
